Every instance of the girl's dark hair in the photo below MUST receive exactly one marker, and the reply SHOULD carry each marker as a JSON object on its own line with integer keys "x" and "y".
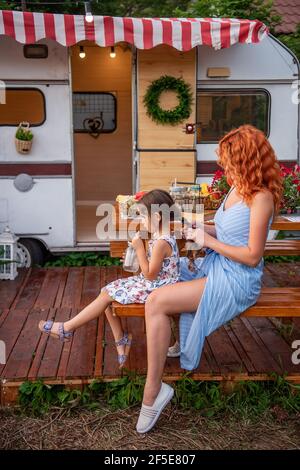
{"x": 158, "y": 197}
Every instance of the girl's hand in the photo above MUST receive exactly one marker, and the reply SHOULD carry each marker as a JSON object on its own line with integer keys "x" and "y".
{"x": 137, "y": 242}
{"x": 197, "y": 235}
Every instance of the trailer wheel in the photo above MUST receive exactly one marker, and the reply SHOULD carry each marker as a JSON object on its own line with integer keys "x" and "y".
{"x": 30, "y": 253}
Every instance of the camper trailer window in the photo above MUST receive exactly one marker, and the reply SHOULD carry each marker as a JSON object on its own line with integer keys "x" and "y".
{"x": 220, "y": 111}
{"x": 23, "y": 104}
{"x": 94, "y": 112}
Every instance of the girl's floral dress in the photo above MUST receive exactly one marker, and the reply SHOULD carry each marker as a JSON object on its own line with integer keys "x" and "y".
{"x": 135, "y": 289}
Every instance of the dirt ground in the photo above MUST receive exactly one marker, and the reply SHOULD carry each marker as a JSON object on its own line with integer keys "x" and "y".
{"x": 176, "y": 430}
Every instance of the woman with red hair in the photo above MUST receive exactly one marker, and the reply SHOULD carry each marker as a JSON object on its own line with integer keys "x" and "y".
{"x": 227, "y": 280}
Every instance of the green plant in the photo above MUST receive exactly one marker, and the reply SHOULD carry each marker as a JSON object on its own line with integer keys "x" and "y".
{"x": 248, "y": 398}
{"x": 291, "y": 188}
{"x": 292, "y": 41}
{"x": 24, "y": 134}
{"x": 219, "y": 186}
{"x": 83, "y": 259}
{"x": 170, "y": 116}
{"x": 37, "y": 397}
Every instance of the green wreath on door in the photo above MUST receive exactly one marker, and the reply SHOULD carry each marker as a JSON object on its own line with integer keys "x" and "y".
{"x": 170, "y": 116}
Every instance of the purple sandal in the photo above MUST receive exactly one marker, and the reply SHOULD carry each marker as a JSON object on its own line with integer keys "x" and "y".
{"x": 46, "y": 326}
{"x": 126, "y": 341}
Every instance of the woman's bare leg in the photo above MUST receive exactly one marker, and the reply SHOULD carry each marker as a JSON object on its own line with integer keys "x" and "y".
{"x": 168, "y": 300}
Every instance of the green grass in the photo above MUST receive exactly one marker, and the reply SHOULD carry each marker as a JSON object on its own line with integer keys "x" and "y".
{"x": 248, "y": 399}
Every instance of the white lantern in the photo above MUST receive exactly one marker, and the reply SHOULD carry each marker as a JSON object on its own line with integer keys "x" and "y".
{"x": 8, "y": 255}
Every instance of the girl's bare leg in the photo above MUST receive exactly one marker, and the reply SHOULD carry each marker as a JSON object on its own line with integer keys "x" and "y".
{"x": 116, "y": 326}
{"x": 91, "y": 311}
{"x": 168, "y": 300}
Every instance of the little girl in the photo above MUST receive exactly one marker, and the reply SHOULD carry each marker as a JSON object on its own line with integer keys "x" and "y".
{"x": 159, "y": 266}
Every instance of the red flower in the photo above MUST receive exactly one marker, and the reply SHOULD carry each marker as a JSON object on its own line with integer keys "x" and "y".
{"x": 139, "y": 195}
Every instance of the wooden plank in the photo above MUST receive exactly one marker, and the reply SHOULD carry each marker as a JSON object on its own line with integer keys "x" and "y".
{"x": 158, "y": 170}
{"x": 111, "y": 367}
{"x": 22, "y": 355}
{"x": 83, "y": 349}
{"x": 47, "y": 359}
{"x": 239, "y": 346}
{"x": 10, "y": 289}
{"x": 99, "y": 357}
{"x": 50, "y": 288}
{"x": 280, "y": 223}
{"x": 3, "y": 315}
{"x": 137, "y": 360}
{"x": 24, "y": 282}
{"x": 276, "y": 345}
{"x": 91, "y": 285}
{"x": 267, "y": 311}
{"x": 273, "y": 364}
{"x": 10, "y": 330}
{"x": 286, "y": 275}
{"x": 73, "y": 288}
{"x": 268, "y": 278}
{"x": 31, "y": 290}
{"x": 62, "y": 285}
{"x": 213, "y": 366}
{"x": 38, "y": 354}
{"x": 224, "y": 352}
{"x": 117, "y": 248}
{"x": 151, "y": 63}
{"x": 254, "y": 350}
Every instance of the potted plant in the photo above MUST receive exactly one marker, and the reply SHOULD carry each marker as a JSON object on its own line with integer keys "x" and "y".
{"x": 291, "y": 189}
{"x": 290, "y": 202}
{"x": 218, "y": 188}
{"x": 23, "y": 138}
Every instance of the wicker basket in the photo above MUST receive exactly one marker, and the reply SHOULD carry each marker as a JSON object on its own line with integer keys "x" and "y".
{"x": 23, "y": 146}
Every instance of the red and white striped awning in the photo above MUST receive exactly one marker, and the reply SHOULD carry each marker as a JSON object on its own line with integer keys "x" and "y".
{"x": 144, "y": 33}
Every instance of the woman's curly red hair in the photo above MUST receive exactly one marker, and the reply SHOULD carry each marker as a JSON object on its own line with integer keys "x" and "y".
{"x": 249, "y": 160}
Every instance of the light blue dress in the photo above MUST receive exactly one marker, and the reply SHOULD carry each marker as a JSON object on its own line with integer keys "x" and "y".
{"x": 231, "y": 287}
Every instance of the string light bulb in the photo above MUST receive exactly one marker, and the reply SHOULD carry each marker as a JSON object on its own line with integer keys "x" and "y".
{"x": 88, "y": 12}
{"x": 81, "y": 52}
{"x": 112, "y": 52}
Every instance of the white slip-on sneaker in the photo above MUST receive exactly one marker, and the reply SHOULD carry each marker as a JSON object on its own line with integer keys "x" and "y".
{"x": 150, "y": 414}
{"x": 174, "y": 351}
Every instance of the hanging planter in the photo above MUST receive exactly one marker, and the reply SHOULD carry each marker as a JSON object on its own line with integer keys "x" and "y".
{"x": 173, "y": 116}
{"x": 23, "y": 138}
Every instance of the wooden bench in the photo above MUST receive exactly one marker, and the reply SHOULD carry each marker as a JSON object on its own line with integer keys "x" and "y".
{"x": 273, "y": 302}
{"x": 273, "y": 248}
{"x": 282, "y": 248}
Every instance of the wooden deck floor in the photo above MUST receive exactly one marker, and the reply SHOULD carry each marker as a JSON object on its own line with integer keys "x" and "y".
{"x": 246, "y": 348}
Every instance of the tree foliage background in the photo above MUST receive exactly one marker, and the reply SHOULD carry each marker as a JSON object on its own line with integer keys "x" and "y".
{"x": 252, "y": 9}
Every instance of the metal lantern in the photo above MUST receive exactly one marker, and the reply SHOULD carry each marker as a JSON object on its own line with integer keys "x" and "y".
{"x": 8, "y": 255}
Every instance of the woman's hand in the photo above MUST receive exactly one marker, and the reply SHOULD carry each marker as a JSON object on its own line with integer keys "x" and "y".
{"x": 137, "y": 242}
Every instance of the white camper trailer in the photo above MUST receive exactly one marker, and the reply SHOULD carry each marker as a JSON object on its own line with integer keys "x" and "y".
{"x": 49, "y": 196}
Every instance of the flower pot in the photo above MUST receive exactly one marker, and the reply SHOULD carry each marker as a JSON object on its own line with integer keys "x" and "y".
{"x": 215, "y": 195}
{"x": 23, "y": 146}
{"x": 23, "y": 138}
